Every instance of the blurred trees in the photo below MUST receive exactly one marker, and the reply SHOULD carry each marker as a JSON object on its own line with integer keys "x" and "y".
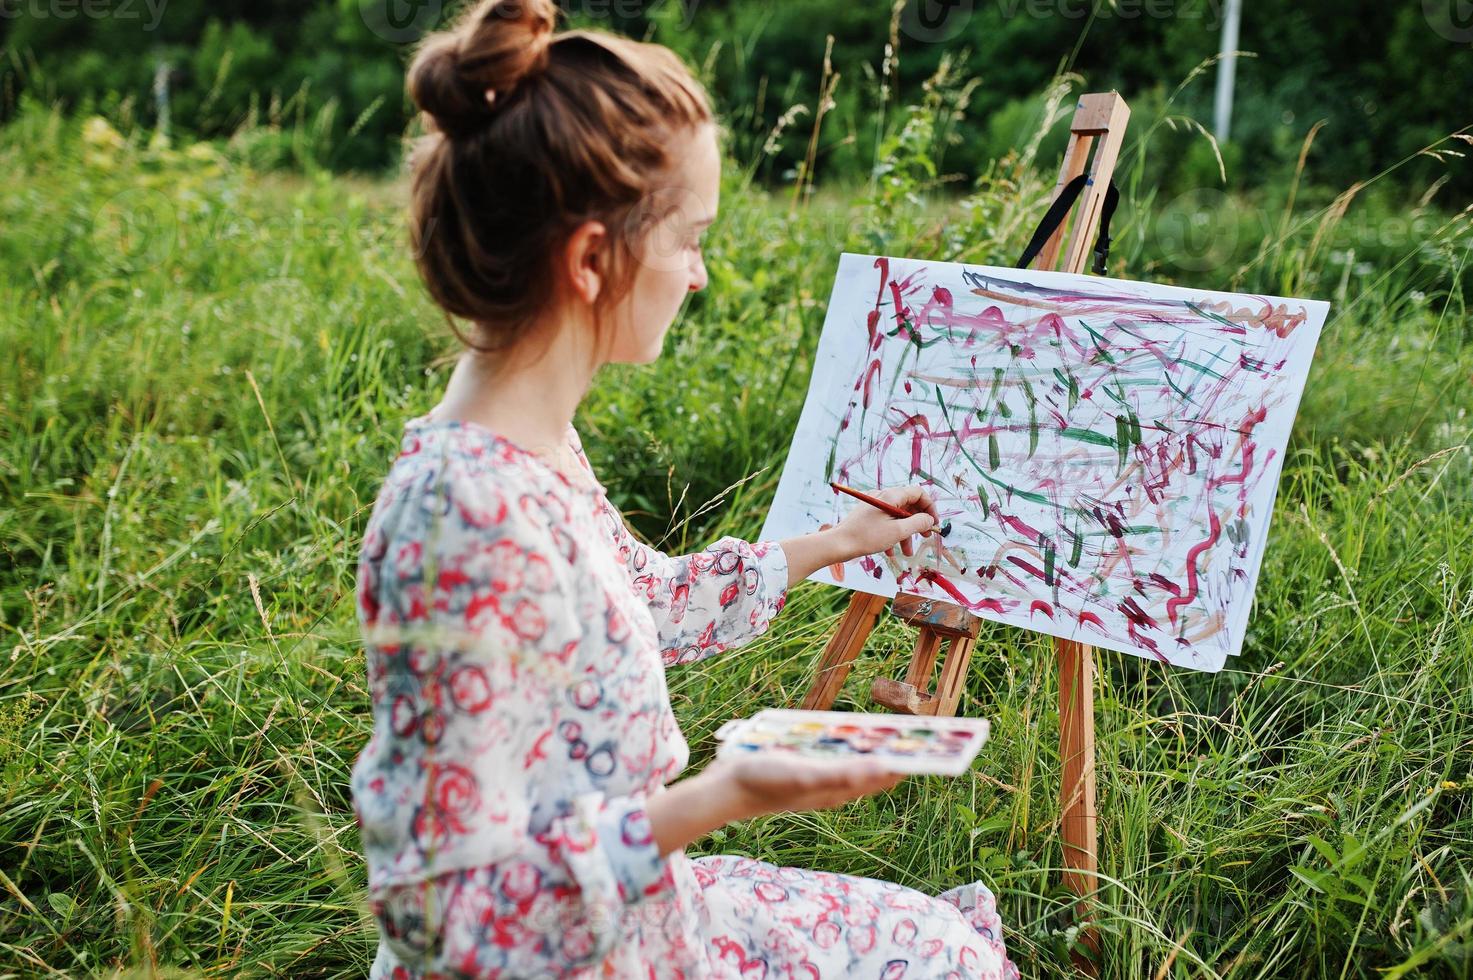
{"x": 1385, "y": 79}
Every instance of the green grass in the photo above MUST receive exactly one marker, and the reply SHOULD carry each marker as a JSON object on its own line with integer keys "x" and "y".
{"x": 204, "y": 375}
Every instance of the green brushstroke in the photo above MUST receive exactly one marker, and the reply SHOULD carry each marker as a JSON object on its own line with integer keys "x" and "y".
{"x": 996, "y": 382}
{"x": 1208, "y": 314}
{"x": 1088, "y": 435}
{"x": 1036, "y": 498}
{"x": 1071, "y": 384}
{"x": 947, "y": 417}
{"x": 1186, "y": 396}
{"x": 898, "y": 374}
{"x": 1099, "y": 342}
{"x": 1199, "y": 368}
{"x": 1032, "y": 417}
{"x": 947, "y": 333}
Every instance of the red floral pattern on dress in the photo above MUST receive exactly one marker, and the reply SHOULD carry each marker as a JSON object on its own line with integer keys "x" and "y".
{"x": 517, "y": 636}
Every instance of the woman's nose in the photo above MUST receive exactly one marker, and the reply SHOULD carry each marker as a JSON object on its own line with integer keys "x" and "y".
{"x": 698, "y": 276}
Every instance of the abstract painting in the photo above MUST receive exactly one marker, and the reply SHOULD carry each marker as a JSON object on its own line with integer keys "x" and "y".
{"x": 1103, "y": 454}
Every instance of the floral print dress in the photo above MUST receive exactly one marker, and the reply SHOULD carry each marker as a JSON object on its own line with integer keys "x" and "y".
{"x": 517, "y": 638}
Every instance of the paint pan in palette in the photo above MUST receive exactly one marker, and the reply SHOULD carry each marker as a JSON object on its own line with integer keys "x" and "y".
{"x": 905, "y": 743}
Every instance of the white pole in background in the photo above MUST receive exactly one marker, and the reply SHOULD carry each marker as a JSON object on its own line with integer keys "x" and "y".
{"x": 161, "y": 71}
{"x": 1227, "y": 64}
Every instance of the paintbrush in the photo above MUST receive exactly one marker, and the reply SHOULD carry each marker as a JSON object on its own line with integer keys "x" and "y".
{"x": 888, "y": 508}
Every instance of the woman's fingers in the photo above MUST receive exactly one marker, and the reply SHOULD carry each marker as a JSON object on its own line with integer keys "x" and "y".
{"x": 916, "y": 501}
{"x": 915, "y": 498}
{"x": 862, "y": 777}
{"x": 808, "y": 784}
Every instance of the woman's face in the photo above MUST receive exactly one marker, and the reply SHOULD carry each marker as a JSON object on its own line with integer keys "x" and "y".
{"x": 667, "y": 250}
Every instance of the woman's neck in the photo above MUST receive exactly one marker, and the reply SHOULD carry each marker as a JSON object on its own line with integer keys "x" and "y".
{"x": 529, "y": 403}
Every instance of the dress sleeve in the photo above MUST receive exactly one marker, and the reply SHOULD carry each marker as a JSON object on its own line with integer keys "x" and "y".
{"x": 464, "y": 776}
{"x": 705, "y": 603}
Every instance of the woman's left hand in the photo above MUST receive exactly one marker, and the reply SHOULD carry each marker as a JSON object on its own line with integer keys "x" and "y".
{"x": 866, "y": 530}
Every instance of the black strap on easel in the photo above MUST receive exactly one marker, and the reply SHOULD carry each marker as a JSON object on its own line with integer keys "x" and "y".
{"x": 1060, "y": 208}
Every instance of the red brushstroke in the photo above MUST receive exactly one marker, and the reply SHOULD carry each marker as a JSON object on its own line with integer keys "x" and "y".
{"x": 1028, "y": 567}
{"x": 1145, "y": 642}
{"x": 1241, "y": 476}
{"x": 919, "y": 428}
{"x": 1136, "y": 614}
{"x": 1165, "y": 583}
{"x": 870, "y": 373}
{"x": 946, "y": 585}
{"x": 875, "y": 336}
{"x": 1175, "y": 603}
{"x": 1246, "y": 428}
{"x": 1028, "y": 532}
{"x": 883, "y": 264}
{"x": 902, "y": 312}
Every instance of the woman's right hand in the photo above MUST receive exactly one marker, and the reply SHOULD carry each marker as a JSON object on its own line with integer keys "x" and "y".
{"x": 773, "y": 782}
{"x": 731, "y": 789}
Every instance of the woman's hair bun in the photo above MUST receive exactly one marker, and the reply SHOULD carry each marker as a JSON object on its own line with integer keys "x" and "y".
{"x": 458, "y": 75}
{"x": 583, "y": 126}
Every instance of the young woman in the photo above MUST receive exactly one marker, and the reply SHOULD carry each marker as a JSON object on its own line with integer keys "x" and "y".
{"x": 513, "y": 799}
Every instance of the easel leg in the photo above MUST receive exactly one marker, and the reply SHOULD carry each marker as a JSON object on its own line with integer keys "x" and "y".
{"x": 911, "y": 696}
{"x": 1077, "y": 755}
{"x": 1102, "y": 117}
{"x": 954, "y": 675}
{"x": 843, "y": 647}
{"x": 923, "y": 661}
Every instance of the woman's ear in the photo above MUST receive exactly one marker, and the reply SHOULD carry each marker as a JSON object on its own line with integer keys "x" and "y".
{"x": 581, "y": 260}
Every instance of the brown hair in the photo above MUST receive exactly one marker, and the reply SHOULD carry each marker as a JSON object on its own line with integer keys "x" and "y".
{"x": 530, "y": 134}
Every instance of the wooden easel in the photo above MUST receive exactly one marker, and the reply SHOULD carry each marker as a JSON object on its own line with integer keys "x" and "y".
{"x": 1099, "y": 117}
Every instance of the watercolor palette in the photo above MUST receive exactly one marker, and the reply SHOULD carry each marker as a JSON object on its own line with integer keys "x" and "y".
{"x": 905, "y": 743}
